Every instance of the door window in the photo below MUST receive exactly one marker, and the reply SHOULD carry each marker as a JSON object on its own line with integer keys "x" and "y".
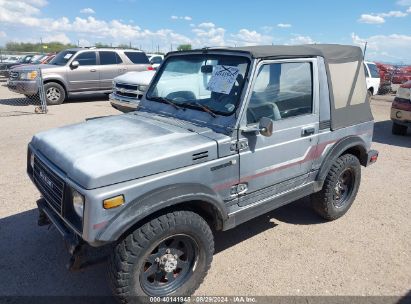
{"x": 107, "y": 58}
{"x": 87, "y": 58}
{"x": 367, "y": 75}
{"x": 156, "y": 60}
{"x": 374, "y": 71}
{"x": 137, "y": 57}
{"x": 281, "y": 90}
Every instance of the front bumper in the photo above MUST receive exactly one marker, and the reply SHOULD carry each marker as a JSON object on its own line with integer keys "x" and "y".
{"x": 401, "y": 117}
{"x": 71, "y": 238}
{"x": 23, "y": 87}
{"x": 123, "y": 104}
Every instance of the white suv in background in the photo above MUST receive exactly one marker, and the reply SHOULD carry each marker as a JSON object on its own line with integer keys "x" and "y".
{"x": 372, "y": 75}
{"x": 155, "y": 60}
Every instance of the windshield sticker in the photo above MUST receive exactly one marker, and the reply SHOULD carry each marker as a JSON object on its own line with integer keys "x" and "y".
{"x": 223, "y": 79}
{"x": 68, "y": 56}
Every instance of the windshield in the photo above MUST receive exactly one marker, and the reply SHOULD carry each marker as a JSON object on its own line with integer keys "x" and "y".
{"x": 206, "y": 82}
{"x": 62, "y": 58}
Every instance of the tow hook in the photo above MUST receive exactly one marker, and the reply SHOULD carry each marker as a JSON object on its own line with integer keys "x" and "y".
{"x": 81, "y": 257}
{"x": 76, "y": 250}
{"x": 43, "y": 220}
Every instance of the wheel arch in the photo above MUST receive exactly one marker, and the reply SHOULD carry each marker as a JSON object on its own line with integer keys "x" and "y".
{"x": 60, "y": 82}
{"x": 349, "y": 145}
{"x": 189, "y": 197}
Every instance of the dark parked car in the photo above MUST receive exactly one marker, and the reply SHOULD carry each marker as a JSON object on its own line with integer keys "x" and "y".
{"x": 6, "y": 66}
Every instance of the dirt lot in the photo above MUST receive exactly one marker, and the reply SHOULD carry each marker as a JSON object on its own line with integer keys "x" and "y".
{"x": 290, "y": 251}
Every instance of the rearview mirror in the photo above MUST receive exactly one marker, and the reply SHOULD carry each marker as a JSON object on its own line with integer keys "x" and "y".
{"x": 266, "y": 127}
{"x": 75, "y": 64}
{"x": 207, "y": 69}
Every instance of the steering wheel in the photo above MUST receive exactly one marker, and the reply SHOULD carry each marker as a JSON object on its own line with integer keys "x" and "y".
{"x": 181, "y": 96}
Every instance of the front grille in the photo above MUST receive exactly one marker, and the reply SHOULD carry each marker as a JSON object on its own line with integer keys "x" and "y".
{"x": 50, "y": 184}
{"x": 14, "y": 75}
{"x": 128, "y": 90}
{"x": 126, "y": 86}
{"x": 127, "y": 94}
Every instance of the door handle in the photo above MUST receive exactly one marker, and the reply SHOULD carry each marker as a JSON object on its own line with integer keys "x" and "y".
{"x": 93, "y": 70}
{"x": 307, "y": 131}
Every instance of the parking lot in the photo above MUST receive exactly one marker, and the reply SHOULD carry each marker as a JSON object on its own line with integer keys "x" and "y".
{"x": 289, "y": 251}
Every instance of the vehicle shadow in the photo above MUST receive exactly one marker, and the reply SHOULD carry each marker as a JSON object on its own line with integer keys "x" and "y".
{"x": 19, "y": 102}
{"x": 297, "y": 213}
{"x": 87, "y": 98}
{"x": 33, "y": 262}
{"x": 33, "y": 259}
{"x": 383, "y": 135}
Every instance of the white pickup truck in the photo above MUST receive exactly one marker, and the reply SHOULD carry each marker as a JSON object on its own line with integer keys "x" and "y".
{"x": 128, "y": 89}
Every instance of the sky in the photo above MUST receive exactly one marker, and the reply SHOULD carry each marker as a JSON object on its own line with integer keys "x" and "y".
{"x": 163, "y": 25}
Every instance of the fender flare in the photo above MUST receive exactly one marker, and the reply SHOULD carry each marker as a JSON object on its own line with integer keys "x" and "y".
{"x": 157, "y": 200}
{"x": 337, "y": 149}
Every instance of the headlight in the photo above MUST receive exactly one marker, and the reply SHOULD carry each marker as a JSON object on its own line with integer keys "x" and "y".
{"x": 142, "y": 88}
{"x": 28, "y": 75}
{"x": 404, "y": 93}
{"x": 78, "y": 203}
{"x": 32, "y": 160}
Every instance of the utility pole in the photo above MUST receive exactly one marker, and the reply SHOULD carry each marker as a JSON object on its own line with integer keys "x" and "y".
{"x": 365, "y": 48}
{"x": 41, "y": 44}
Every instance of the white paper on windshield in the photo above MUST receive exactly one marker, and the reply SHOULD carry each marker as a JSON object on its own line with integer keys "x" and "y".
{"x": 68, "y": 56}
{"x": 223, "y": 79}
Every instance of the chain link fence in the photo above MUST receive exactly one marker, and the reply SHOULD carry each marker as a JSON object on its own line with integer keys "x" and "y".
{"x": 22, "y": 91}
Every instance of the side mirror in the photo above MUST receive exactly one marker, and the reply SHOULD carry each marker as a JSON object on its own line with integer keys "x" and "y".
{"x": 75, "y": 64}
{"x": 266, "y": 127}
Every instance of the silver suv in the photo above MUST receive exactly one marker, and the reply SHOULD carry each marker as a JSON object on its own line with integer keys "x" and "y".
{"x": 221, "y": 136}
{"x": 78, "y": 71}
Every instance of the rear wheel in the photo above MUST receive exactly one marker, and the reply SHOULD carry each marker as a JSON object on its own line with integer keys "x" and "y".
{"x": 55, "y": 93}
{"x": 398, "y": 129}
{"x": 169, "y": 255}
{"x": 340, "y": 188}
{"x": 369, "y": 95}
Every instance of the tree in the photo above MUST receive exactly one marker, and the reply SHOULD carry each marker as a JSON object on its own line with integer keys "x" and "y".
{"x": 184, "y": 47}
{"x": 102, "y": 45}
{"x": 49, "y": 47}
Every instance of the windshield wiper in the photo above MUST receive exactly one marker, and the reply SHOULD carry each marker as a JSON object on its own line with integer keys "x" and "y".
{"x": 206, "y": 109}
{"x": 166, "y": 100}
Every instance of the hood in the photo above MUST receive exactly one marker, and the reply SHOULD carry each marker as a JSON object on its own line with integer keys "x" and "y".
{"x": 138, "y": 78}
{"x": 115, "y": 149}
{"x": 24, "y": 67}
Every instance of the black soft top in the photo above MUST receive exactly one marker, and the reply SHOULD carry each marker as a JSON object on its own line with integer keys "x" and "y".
{"x": 331, "y": 52}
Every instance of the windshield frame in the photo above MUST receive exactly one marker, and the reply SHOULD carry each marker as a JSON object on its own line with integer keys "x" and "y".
{"x": 193, "y": 106}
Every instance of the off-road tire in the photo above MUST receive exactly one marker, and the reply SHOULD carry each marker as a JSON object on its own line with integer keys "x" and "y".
{"x": 51, "y": 101}
{"x": 399, "y": 129}
{"x": 129, "y": 255}
{"x": 324, "y": 202}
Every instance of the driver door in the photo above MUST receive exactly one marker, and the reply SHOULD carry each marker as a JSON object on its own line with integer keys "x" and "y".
{"x": 287, "y": 93}
{"x": 86, "y": 77}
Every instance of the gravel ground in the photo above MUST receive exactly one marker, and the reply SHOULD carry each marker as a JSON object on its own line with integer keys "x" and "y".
{"x": 289, "y": 251}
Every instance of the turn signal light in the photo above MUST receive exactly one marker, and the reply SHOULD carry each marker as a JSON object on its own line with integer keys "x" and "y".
{"x": 113, "y": 202}
{"x": 150, "y": 68}
{"x": 374, "y": 158}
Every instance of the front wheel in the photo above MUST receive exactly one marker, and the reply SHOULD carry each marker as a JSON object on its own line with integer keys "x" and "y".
{"x": 340, "y": 188}
{"x": 55, "y": 93}
{"x": 168, "y": 256}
